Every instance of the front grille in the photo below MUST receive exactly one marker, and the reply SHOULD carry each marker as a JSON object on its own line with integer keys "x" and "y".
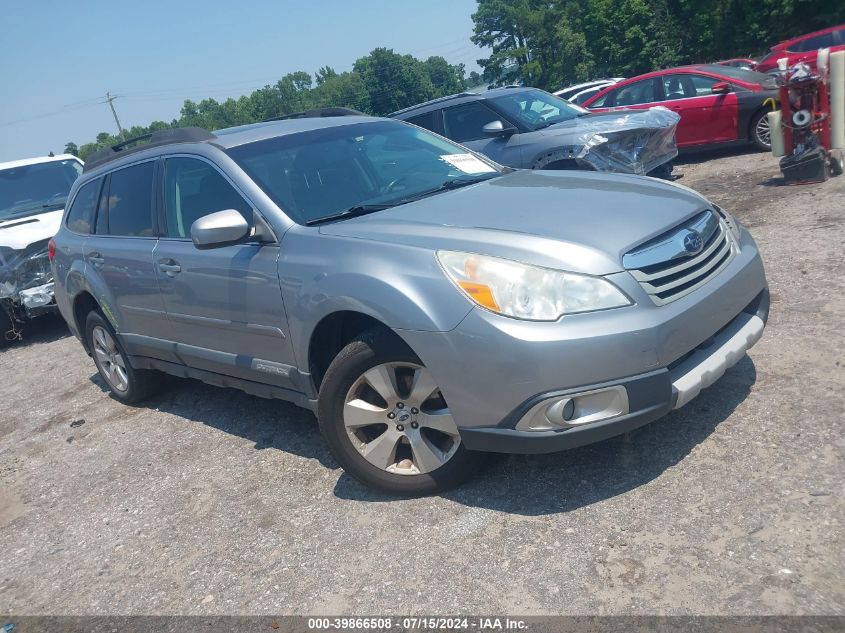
{"x": 667, "y": 271}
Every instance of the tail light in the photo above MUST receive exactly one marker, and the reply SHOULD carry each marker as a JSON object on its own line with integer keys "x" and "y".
{"x": 51, "y": 249}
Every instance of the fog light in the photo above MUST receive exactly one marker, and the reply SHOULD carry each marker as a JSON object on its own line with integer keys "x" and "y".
{"x": 575, "y": 409}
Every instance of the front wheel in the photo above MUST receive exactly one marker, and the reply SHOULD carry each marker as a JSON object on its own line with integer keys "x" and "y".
{"x": 761, "y": 133}
{"x": 386, "y": 422}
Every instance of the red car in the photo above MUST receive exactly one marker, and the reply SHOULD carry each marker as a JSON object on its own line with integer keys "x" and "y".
{"x": 804, "y": 49}
{"x": 717, "y": 104}
{"x": 739, "y": 62}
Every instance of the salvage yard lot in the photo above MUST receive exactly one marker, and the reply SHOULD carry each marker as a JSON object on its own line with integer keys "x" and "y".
{"x": 212, "y": 501}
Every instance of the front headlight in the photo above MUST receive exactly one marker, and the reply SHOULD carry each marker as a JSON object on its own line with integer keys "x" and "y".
{"x": 528, "y": 292}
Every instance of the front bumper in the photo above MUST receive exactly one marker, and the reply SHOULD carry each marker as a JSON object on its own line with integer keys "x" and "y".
{"x": 649, "y": 396}
{"x": 38, "y": 298}
{"x": 492, "y": 370}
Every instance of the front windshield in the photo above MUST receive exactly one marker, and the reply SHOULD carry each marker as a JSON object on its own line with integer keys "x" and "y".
{"x": 536, "y": 109}
{"x": 363, "y": 167}
{"x": 31, "y": 189}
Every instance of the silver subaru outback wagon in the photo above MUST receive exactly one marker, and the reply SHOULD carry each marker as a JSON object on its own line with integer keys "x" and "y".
{"x": 426, "y": 303}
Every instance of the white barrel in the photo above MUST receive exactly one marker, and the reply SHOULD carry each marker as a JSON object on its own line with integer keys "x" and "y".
{"x": 837, "y": 99}
{"x": 776, "y": 134}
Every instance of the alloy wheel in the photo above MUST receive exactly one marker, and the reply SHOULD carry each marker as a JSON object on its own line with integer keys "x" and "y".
{"x": 396, "y": 417}
{"x": 109, "y": 359}
{"x": 763, "y": 132}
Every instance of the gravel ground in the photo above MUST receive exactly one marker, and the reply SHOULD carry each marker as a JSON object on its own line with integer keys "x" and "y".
{"x": 211, "y": 501}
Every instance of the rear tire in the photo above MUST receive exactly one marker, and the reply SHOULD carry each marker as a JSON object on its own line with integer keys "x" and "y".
{"x": 837, "y": 162}
{"x": 127, "y": 384}
{"x": 759, "y": 131}
{"x": 382, "y": 427}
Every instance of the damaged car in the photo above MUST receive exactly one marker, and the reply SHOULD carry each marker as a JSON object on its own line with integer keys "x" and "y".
{"x": 33, "y": 193}
{"x": 532, "y": 129}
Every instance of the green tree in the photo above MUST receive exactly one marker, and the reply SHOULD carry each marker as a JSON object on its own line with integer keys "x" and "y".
{"x": 71, "y": 148}
{"x": 393, "y": 81}
{"x": 326, "y": 72}
{"x": 445, "y": 78}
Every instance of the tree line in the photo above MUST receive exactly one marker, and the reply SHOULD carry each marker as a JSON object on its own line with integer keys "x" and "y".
{"x": 379, "y": 83}
{"x": 543, "y": 43}
{"x": 552, "y": 43}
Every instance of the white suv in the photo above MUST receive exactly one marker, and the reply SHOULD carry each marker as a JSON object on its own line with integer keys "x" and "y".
{"x": 32, "y": 199}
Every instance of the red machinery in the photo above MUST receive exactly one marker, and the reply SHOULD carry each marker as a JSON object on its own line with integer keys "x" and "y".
{"x": 806, "y": 121}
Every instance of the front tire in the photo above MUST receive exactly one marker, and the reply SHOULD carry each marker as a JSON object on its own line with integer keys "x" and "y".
{"x": 386, "y": 422}
{"x": 127, "y": 384}
{"x": 760, "y": 132}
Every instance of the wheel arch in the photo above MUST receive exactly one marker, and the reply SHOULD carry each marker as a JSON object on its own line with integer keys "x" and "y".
{"x": 83, "y": 304}
{"x": 334, "y": 332}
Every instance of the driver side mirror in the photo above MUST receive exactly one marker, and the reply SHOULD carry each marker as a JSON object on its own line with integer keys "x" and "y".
{"x": 720, "y": 88}
{"x": 498, "y": 128}
{"x": 222, "y": 228}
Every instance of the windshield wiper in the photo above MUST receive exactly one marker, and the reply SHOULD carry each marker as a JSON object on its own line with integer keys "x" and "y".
{"x": 34, "y": 210}
{"x": 454, "y": 183}
{"x": 352, "y": 212}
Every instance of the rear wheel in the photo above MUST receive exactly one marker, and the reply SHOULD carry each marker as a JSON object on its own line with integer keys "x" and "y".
{"x": 386, "y": 422}
{"x": 837, "y": 162}
{"x": 761, "y": 134}
{"x": 126, "y": 384}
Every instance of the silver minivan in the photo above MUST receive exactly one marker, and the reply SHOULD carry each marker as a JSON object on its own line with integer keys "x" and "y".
{"x": 426, "y": 303}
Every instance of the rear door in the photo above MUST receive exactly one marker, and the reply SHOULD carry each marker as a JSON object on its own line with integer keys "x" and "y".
{"x": 119, "y": 260}
{"x": 224, "y": 304}
{"x": 705, "y": 117}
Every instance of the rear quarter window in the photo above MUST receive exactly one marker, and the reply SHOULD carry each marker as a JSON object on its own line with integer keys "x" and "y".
{"x": 80, "y": 216}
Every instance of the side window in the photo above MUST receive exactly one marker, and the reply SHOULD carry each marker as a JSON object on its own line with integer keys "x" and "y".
{"x": 80, "y": 217}
{"x": 424, "y": 120}
{"x": 126, "y": 209}
{"x": 606, "y": 99}
{"x": 581, "y": 97}
{"x": 192, "y": 189}
{"x": 702, "y": 85}
{"x": 813, "y": 43}
{"x": 636, "y": 93}
{"x": 465, "y": 122}
{"x": 685, "y": 86}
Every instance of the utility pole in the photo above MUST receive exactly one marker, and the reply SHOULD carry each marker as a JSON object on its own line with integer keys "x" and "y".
{"x": 109, "y": 98}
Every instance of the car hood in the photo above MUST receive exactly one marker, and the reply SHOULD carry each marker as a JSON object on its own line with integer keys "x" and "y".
{"x": 577, "y": 221}
{"x": 573, "y": 126}
{"x": 18, "y": 233}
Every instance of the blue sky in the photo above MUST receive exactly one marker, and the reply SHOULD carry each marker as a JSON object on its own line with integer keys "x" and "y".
{"x": 57, "y": 59}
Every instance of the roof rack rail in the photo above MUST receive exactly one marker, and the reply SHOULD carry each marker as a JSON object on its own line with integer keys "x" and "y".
{"x": 431, "y": 101}
{"x": 159, "y": 137}
{"x": 317, "y": 113}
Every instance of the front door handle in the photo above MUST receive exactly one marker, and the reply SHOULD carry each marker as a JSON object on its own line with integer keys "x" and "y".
{"x": 169, "y": 267}
{"x": 96, "y": 259}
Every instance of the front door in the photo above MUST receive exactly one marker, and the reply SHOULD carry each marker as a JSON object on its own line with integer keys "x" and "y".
{"x": 465, "y": 124}
{"x": 705, "y": 117}
{"x": 224, "y": 304}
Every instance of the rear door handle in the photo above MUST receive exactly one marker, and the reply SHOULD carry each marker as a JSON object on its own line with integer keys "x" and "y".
{"x": 169, "y": 267}
{"x": 96, "y": 259}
